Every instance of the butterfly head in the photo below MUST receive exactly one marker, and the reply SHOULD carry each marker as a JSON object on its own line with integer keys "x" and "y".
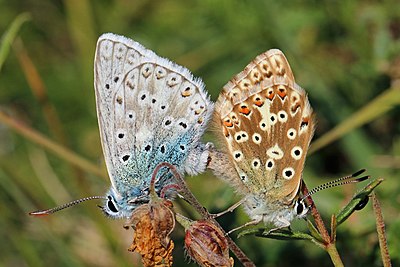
{"x": 117, "y": 206}
{"x": 112, "y": 208}
{"x": 300, "y": 208}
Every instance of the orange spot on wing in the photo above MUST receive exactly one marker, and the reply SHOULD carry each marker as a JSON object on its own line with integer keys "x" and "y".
{"x": 186, "y": 93}
{"x": 271, "y": 95}
{"x": 228, "y": 123}
{"x": 244, "y": 110}
{"x": 259, "y": 103}
{"x": 282, "y": 93}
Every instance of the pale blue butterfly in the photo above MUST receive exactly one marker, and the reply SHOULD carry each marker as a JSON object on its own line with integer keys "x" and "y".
{"x": 150, "y": 110}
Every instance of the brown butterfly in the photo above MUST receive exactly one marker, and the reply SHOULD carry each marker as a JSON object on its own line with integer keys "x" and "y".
{"x": 266, "y": 123}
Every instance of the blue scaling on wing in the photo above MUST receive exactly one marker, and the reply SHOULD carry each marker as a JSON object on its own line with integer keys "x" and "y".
{"x": 150, "y": 110}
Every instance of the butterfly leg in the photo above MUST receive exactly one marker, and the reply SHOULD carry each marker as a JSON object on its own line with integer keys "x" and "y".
{"x": 253, "y": 222}
{"x": 230, "y": 209}
{"x": 283, "y": 223}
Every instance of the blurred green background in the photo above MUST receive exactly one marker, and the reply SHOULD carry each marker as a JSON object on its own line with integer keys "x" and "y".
{"x": 346, "y": 54}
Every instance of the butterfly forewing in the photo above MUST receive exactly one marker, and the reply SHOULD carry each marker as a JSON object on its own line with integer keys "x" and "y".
{"x": 267, "y": 123}
{"x": 150, "y": 110}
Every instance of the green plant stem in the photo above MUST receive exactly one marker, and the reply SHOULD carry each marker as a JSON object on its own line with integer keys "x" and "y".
{"x": 334, "y": 254}
{"x": 380, "y": 105}
{"x": 8, "y": 37}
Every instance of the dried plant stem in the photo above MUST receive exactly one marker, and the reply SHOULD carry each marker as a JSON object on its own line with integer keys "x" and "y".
{"x": 380, "y": 228}
{"x": 240, "y": 255}
{"x": 39, "y": 90}
{"x": 317, "y": 217}
{"x": 329, "y": 243}
{"x": 49, "y": 145}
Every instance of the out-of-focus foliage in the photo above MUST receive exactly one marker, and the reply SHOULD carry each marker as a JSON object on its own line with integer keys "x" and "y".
{"x": 344, "y": 53}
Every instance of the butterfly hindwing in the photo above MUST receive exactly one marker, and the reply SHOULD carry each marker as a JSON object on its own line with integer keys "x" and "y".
{"x": 150, "y": 110}
{"x": 267, "y": 124}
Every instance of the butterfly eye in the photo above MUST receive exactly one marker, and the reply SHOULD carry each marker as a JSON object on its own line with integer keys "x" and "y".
{"x": 111, "y": 206}
{"x": 301, "y": 208}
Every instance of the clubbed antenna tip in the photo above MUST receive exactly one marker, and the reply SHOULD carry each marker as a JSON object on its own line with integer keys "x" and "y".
{"x": 338, "y": 182}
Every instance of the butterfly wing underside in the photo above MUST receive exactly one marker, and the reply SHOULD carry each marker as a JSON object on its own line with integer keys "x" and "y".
{"x": 267, "y": 124}
{"x": 149, "y": 109}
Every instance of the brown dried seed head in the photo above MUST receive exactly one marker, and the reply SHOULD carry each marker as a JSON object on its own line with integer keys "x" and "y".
{"x": 153, "y": 223}
{"x": 207, "y": 245}
{"x": 163, "y": 220}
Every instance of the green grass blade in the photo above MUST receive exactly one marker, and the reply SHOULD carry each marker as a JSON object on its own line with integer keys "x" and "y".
{"x": 375, "y": 109}
{"x": 9, "y": 36}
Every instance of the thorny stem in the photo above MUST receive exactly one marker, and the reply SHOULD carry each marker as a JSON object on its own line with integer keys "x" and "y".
{"x": 240, "y": 255}
{"x": 329, "y": 243}
{"x": 380, "y": 228}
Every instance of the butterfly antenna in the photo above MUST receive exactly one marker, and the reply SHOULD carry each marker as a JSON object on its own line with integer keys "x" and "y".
{"x": 66, "y": 205}
{"x": 349, "y": 179}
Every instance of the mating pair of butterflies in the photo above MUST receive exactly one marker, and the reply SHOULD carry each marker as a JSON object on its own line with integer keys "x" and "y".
{"x": 151, "y": 110}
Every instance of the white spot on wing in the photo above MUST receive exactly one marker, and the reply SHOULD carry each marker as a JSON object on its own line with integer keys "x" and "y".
{"x": 257, "y": 138}
{"x": 238, "y": 155}
{"x": 273, "y": 119}
{"x": 288, "y": 173}
{"x": 263, "y": 125}
{"x": 282, "y": 116}
{"x": 297, "y": 152}
{"x": 275, "y": 152}
{"x": 243, "y": 177}
{"x": 256, "y": 163}
{"x": 269, "y": 165}
{"x": 291, "y": 133}
{"x": 241, "y": 136}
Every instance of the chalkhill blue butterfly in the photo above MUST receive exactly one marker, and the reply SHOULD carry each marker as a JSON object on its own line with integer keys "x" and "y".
{"x": 266, "y": 123}
{"x": 150, "y": 110}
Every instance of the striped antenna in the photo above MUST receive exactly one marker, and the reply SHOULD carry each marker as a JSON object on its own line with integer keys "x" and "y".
{"x": 349, "y": 179}
{"x": 67, "y": 205}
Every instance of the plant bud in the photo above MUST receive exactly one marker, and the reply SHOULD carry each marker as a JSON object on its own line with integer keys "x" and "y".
{"x": 207, "y": 245}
